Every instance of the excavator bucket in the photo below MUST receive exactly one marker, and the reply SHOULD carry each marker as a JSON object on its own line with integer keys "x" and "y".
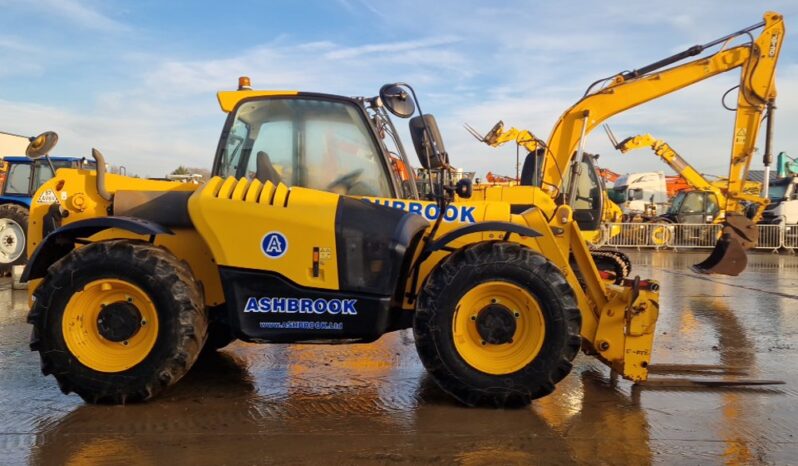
{"x": 729, "y": 258}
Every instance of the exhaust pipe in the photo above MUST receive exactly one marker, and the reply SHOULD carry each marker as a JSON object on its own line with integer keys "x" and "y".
{"x": 100, "y": 160}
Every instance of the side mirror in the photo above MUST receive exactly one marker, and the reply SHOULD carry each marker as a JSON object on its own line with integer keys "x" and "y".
{"x": 397, "y": 100}
{"x": 464, "y": 188}
{"x": 41, "y": 145}
{"x": 428, "y": 156}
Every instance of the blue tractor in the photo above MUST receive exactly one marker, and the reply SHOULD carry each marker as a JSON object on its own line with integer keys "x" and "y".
{"x": 20, "y": 177}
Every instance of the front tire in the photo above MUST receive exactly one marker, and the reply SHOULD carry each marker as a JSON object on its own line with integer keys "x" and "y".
{"x": 497, "y": 324}
{"x": 118, "y": 321}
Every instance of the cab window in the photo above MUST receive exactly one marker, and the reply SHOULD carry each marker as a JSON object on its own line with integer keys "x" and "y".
{"x": 317, "y": 144}
{"x": 43, "y": 172}
{"x": 18, "y": 180}
{"x": 693, "y": 203}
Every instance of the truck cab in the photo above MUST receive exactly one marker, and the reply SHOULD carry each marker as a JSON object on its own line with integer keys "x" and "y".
{"x": 636, "y": 193}
{"x": 783, "y": 207}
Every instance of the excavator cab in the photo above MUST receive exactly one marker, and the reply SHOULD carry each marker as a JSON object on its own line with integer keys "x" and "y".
{"x": 583, "y": 191}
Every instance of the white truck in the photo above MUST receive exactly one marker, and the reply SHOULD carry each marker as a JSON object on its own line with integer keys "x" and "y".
{"x": 783, "y": 207}
{"x": 640, "y": 195}
{"x": 783, "y": 193}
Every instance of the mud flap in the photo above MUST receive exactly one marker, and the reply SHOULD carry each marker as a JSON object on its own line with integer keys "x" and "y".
{"x": 728, "y": 258}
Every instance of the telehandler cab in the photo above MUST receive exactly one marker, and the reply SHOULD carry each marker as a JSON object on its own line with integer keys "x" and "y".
{"x": 310, "y": 231}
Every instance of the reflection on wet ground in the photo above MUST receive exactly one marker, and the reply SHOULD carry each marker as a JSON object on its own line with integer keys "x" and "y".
{"x": 373, "y": 403}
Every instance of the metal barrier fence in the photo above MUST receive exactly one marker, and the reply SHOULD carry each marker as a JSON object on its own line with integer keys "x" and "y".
{"x": 688, "y": 236}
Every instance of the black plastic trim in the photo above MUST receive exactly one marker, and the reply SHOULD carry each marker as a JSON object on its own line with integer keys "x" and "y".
{"x": 372, "y": 242}
{"x": 506, "y": 227}
{"x": 62, "y": 241}
{"x": 375, "y": 313}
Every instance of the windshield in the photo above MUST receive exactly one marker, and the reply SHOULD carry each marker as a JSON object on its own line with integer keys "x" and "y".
{"x": 676, "y": 204}
{"x": 313, "y": 143}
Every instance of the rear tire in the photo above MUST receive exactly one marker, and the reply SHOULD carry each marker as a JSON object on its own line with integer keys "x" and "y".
{"x": 13, "y": 235}
{"x": 94, "y": 362}
{"x": 522, "y": 273}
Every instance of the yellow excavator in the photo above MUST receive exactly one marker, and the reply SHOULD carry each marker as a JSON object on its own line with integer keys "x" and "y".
{"x": 756, "y": 94}
{"x": 308, "y": 231}
{"x": 499, "y": 136}
{"x": 707, "y": 200}
{"x": 615, "y": 265}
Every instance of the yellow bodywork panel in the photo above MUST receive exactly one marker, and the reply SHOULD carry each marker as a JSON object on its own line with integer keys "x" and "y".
{"x": 234, "y": 226}
{"x": 75, "y": 190}
{"x": 518, "y": 195}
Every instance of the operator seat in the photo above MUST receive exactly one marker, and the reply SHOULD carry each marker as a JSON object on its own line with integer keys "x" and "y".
{"x": 264, "y": 170}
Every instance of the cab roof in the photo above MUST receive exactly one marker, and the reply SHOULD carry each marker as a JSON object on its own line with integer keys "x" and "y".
{"x": 228, "y": 100}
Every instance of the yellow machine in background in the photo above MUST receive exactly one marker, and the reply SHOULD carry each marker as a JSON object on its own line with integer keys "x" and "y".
{"x": 512, "y": 192}
{"x": 755, "y": 96}
{"x": 708, "y": 200}
{"x": 314, "y": 230}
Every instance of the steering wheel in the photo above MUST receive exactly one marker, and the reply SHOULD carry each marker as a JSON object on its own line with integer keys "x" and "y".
{"x": 348, "y": 180}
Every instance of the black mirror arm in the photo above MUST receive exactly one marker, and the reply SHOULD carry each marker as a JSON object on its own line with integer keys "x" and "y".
{"x": 427, "y": 132}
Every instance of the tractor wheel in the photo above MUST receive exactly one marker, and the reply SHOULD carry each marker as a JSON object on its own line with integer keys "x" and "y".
{"x": 118, "y": 321}
{"x": 13, "y": 231}
{"x": 497, "y": 324}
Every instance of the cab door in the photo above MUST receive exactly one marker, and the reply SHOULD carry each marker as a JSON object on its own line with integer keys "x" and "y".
{"x": 584, "y": 193}
{"x": 693, "y": 208}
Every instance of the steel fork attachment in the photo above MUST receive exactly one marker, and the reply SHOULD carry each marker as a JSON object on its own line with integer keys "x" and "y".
{"x": 711, "y": 370}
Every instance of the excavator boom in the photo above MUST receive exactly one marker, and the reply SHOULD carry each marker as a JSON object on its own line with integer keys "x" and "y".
{"x": 757, "y": 92}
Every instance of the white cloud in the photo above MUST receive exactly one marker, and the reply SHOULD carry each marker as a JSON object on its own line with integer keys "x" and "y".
{"x": 78, "y": 12}
{"x": 389, "y": 48}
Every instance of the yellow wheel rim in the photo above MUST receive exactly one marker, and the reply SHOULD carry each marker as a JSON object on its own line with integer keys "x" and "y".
{"x": 81, "y": 327}
{"x": 660, "y": 235}
{"x": 503, "y": 358}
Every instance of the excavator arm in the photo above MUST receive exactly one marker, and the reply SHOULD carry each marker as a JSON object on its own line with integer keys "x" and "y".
{"x": 628, "y": 90}
{"x": 695, "y": 179}
{"x": 756, "y": 94}
{"x": 498, "y": 136}
{"x": 672, "y": 158}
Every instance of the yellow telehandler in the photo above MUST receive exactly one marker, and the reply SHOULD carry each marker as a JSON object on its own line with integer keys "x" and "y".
{"x": 313, "y": 230}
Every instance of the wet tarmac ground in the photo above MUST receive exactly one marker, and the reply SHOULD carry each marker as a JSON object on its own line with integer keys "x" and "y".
{"x": 304, "y": 404}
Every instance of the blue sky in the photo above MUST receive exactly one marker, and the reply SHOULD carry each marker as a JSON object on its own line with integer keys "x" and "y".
{"x": 138, "y": 79}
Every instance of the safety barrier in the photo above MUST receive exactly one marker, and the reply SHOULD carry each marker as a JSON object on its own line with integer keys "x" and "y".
{"x": 688, "y": 236}
{"x": 770, "y": 237}
{"x": 789, "y": 237}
